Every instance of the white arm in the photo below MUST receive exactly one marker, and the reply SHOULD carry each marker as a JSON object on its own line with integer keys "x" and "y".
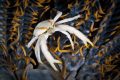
{"x": 32, "y": 40}
{"x": 46, "y": 53}
{"x": 66, "y": 20}
{"x": 57, "y": 16}
{"x": 73, "y": 30}
{"x": 37, "y": 51}
{"x": 67, "y": 34}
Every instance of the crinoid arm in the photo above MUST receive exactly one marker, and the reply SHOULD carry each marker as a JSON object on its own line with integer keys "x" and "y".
{"x": 73, "y": 30}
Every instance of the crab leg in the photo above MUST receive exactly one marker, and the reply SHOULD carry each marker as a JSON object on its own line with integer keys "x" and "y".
{"x": 69, "y": 37}
{"x": 72, "y": 30}
{"x": 46, "y": 53}
{"x": 32, "y": 40}
{"x": 57, "y": 16}
{"x": 67, "y": 20}
{"x": 37, "y": 51}
{"x": 67, "y": 34}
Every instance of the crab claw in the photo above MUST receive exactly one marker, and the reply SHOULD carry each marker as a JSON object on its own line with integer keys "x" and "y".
{"x": 73, "y": 30}
{"x": 46, "y": 53}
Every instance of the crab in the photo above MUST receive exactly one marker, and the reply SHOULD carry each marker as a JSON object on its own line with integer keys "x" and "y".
{"x": 46, "y": 28}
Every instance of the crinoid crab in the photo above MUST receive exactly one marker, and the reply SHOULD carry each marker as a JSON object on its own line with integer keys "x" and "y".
{"x": 46, "y": 28}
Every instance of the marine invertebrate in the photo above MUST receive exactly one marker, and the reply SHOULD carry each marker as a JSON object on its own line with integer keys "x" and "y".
{"x": 48, "y": 27}
{"x": 99, "y": 21}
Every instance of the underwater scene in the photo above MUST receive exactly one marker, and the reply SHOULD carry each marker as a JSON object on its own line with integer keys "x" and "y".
{"x": 59, "y": 39}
